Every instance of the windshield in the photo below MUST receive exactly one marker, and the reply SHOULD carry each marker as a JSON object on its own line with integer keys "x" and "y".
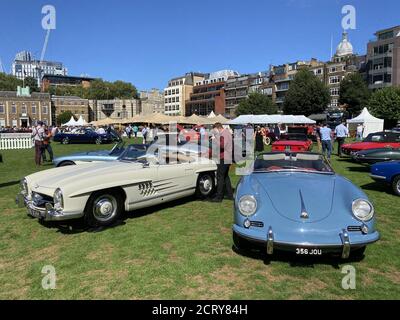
{"x": 132, "y": 153}
{"x": 118, "y": 148}
{"x": 373, "y": 137}
{"x": 310, "y": 162}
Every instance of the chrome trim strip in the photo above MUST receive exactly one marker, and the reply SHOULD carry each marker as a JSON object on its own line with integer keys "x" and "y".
{"x": 344, "y": 236}
{"x": 270, "y": 241}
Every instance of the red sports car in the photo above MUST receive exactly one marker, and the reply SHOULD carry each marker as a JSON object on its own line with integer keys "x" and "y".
{"x": 294, "y": 142}
{"x": 374, "y": 141}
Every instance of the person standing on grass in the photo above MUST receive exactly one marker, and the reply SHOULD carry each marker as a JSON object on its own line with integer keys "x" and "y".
{"x": 128, "y": 131}
{"x": 326, "y": 140}
{"x": 135, "y": 130}
{"x": 341, "y": 133}
{"x": 360, "y": 131}
{"x": 222, "y": 144}
{"x": 258, "y": 136}
{"x": 38, "y": 135}
{"x": 144, "y": 134}
{"x": 46, "y": 144}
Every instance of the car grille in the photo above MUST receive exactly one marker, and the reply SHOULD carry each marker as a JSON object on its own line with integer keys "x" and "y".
{"x": 257, "y": 224}
{"x": 39, "y": 200}
{"x": 353, "y": 228}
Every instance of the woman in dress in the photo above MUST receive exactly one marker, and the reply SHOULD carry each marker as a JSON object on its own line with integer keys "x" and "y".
{"x": 259, "y": 140}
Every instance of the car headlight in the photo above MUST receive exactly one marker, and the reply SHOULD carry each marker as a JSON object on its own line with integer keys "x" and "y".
{"x": 247, "y": 205}
{"x": 362, "y": 209}
{"x": 24, "y": 187}
{"x": 58, "y": 199}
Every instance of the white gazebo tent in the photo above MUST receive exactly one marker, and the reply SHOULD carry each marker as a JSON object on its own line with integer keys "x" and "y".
{"x": 70, "y": 123}
{"x": 81, "y": 122}
{"x": 271, "y": 119}
{"x": 371, "y": 123}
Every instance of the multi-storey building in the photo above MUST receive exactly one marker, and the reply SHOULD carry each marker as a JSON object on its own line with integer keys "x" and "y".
{"x": 76, "y": 105}
{"x": 25, "y": 66}
{"x": 24, "y": 109}
{"x": 344, "y": 62}
{"x": 281, "y": 76}
{"x": 115, "y": 109}
{"x": 54, "y": 81}
{"x": 178, "y": 92}
{"x": 209, "y": 94}
{"x": 383, "y": 55}
{"x": 151, "y": 102}
{"x": 237, "y": 88}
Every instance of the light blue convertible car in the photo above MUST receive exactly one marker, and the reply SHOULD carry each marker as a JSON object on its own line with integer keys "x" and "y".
{"x": 101, "y": 155}
{"x": 296, "y": 202}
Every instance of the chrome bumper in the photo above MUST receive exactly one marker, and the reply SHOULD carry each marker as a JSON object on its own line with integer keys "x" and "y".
{"x": 47, "y": 214}
{"x": 344, "y": 249}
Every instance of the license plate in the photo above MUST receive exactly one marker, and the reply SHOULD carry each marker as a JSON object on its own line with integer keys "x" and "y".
{"x": 287, "y": 148}
{"x": 308, "y": 251}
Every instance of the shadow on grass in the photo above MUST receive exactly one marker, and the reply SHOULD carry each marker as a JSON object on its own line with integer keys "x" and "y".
{"x": 8, "y": 184}
{"x": 295, "y": 261}
{"x": 359, "y": 169}
{"x": 376, "y": 186}
{"x": 78, "y": 225}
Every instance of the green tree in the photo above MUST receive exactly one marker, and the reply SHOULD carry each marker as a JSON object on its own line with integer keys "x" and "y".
{"x": 354, "y": 93}
{"x": 9, "y": 82}
{"x": 385, "y": 104}
{"x": 99, "y": 90}
{"x": 306, "y": 94}
{"x": 32, "y": 84}
{"x": 121, "y": 89}
{"x": 256, "y": 103}
{"x": 65, "y": 117}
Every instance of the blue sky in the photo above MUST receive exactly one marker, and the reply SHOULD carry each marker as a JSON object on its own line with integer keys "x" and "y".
{"x": 148, "y": 42}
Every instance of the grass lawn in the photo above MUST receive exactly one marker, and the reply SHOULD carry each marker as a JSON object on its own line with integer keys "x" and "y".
{"x": 181, "y": 250}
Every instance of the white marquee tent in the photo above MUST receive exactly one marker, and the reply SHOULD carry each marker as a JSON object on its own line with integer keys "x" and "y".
{"x": 371, "y": 123}
{"x": 271, "y": 119}
{"x": 70, "y": 123}
{"x": 81, "y": 122}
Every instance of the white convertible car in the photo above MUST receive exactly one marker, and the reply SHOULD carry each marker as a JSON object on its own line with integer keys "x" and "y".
{"x": 101, "y": 191}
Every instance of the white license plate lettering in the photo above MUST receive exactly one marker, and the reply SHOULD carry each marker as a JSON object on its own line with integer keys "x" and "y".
{"x": 308, "y": 251}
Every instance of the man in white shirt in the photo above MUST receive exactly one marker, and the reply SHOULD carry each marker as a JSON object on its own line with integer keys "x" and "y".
{"x": 38, "y": 135}
{"x": 341, "y": 133}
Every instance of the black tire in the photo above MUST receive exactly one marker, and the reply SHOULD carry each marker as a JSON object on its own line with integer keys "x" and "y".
{"x": 65, "y": 141}
{"x": 205, "y": 185}
{"x": 240, "y": 243}
{"x": 267, "y": 141}
{"x": 66, "y": 163}
{"x": 103, "y": 208}
{"x": 98, "y": 141}
{"x": 358, "y": 253}
{"x": 396, "y": 185}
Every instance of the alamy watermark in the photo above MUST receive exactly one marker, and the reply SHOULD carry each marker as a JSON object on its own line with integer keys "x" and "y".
{"x": 349, "y": 20}
{"x": 50, "y": 278}
{"x": 349, "y": 280}
{"x": 49, "y": 22}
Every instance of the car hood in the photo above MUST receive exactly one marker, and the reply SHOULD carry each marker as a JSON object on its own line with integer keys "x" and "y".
{"x": 67, "y": 176}
{"x": 293, "y": 193}
{"x": 290, "y": 142}
{"x": 363, "y": 145}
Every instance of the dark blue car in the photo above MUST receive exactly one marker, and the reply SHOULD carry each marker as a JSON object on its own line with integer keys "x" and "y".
{"x": 86, "y": 135}
{"x": 387, "y": 172}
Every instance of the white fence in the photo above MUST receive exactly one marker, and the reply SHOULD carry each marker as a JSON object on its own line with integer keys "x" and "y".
{"x": 9, "y": 141}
